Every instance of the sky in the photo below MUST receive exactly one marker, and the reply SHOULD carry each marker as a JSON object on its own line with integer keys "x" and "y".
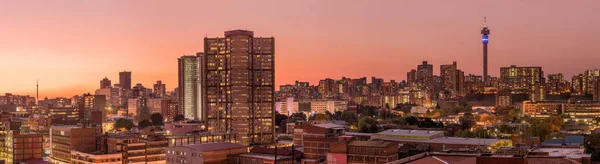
{"x": 70, "y": 45}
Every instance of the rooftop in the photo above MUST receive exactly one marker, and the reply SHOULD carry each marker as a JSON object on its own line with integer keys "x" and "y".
{"x": 452, "y": 140}
{"x": 331, "y": 126}
{"x": 265, "y": 156}
{"x": 358, "y": 134}
{"x": 215, "y": 146}
{"x": 402, "y": 132}
{"x": 380, "y": 144}
{"x": 573, "y": 153}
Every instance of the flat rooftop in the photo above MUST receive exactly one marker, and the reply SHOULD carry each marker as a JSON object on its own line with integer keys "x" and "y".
{"x": 573, "y": 153}
{"x": 358, "y": 134}
{"x": 215, "y": 146}
{"x": 402, "y": 132}
{"x": 450, "y": 140}
{"x": 380, "y": 144}
{"x": 331, "y": 126}
{"x": 264, "y": 156}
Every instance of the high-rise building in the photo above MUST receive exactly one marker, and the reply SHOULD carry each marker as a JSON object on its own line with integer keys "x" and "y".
{"x": 160, "y": 89}
{"x": 125, "y": 79}
{"x": 105, "y": 83}
{"x": 577, "y": 84}
{"x": 422, "y": 78}
{"x": 485, "y": 39}
{"x": 596, "y": 91}
{"x": 556, "y": 84}
{"x": 584, "y": 83}
{"x": 520, "y": 79}
{"x": 327, "y": 87}
{"x": 189, "y": 87}
{"x": 139, "y": 91}
{"x": 452, "y": 79}
{"x": 240, "y": 86}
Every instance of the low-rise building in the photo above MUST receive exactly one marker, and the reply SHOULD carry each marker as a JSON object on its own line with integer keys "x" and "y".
{"x": 63, "y": 139}
{"x": 135, "y": 149}
{"x": 200, "y": 138}
{"x": 362, "y": 152}
{"x": 20, "y": 146}
{"x": 436, "y": 141}
{"x": 210, "y": 153}
{"x": 78, "y": 157}
{"x": 316, "y": 139}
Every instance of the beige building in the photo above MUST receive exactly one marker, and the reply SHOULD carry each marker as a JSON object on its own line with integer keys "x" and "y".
{"x": 321, "y": 106}
{"x": 17, "y": 146}
{"x": 190, "y": 85}
{"x": 78, "y": 157}
{"x": 63, "y": 139}
{"x": 240, "y": 86}
{"x": 520, "y": 79}
{"x": 210, "y": 153}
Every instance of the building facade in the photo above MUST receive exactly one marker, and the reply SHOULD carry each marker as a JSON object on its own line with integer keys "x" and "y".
{"x": 125, "y": 80}
{"x": 520, "y": 79}
{"x": 240, "y": 86}
{"x": 189, "y": 87}
{"x": 63, "y": 139}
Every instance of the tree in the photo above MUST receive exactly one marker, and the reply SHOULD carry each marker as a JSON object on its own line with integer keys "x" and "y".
{"x": 488, "y": 119}
{"x": 368, "y": 124}
{"x": 157, "y": 119}
{"x": 593, "y": 141}
{"x": 329, "y": 114}
{"x": 464, "y": 134}
{"x": 481, "y": 133}
{"x": 349, "y": 117}
{"x": 556, "y": 123}
{"x": 538, "y": 128}
{"x": 279, "y": 118}
{"x": 513, "y": 114}
{"x": 143, "y": 124}
{"x": 143, "y": 113}
{"x": 123, "y": 124}
{"x": 179, "y": 117}
{"x": 298, "y": 117}
{"x": 319, "y": 117}
{"x": 412, "y": 120}
{"x": 337, "y": 115}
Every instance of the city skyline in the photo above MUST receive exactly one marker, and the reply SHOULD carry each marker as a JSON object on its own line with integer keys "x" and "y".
{"x": 305, "y": 50}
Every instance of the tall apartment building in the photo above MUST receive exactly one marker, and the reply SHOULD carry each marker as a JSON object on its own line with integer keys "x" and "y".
{"x": 190, "y": 97}
{"x": 240, "y": 86}
{"x": 584, "y": 83}
{"x": 66, "y": 138}
{"x": 160, "y": 89}
{"x": 125, "y": 80}
{"x": 422, "y": 77}
{"x": 105, "y": 83}
{"x": 520, "y": 79}
{"x": 452, "y": 79}
{"x": 596, "y": 90}
{"x": 577, "y": 84}
{"x": 556, "y": 84}
{"x": 327, "y": 87}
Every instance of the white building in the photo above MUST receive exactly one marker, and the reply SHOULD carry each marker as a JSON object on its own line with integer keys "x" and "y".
{"x": 287, "y": 107}
{"x": 321, "y": 106}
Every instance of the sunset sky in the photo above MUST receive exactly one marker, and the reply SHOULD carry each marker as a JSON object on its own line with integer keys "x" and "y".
{"x": 70, "y": 45}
